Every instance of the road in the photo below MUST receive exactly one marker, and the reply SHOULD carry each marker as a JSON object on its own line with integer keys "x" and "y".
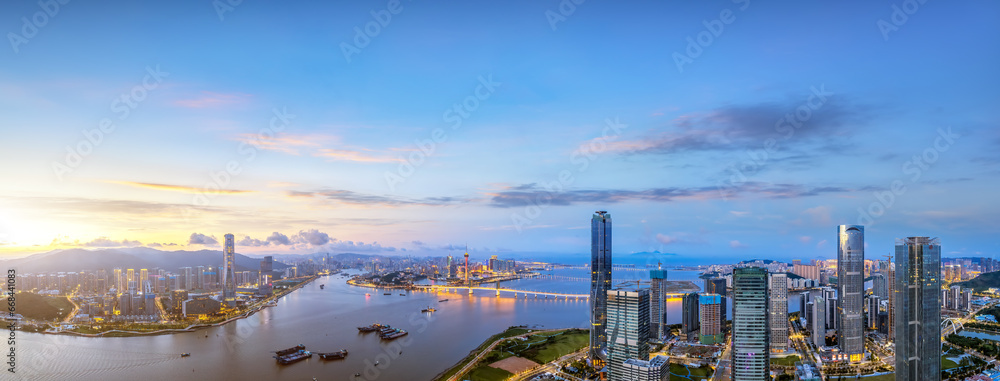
{"x": 465, "y": 369}
{"x": 551, "y": 367}
{"x": 723, "y": 369}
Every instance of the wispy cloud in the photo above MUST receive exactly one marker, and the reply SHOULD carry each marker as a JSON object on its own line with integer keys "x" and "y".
{"x": 181, "y": 188}
{"x": 208, "y": 99}
{"x": 286, "y": 143}
{"x": 360, "y": 156}
{"x": 355, "y": 198}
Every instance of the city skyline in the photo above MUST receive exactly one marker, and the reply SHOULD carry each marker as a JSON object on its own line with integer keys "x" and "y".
{"x": 662, "y": 143}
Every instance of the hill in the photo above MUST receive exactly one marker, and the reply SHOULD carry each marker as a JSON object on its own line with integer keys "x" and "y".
{"x": 982, "y": 282}
{"x": 133, "y": 258}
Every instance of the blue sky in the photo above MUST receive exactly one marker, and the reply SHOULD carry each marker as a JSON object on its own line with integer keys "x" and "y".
{"x": 594, "y": 96}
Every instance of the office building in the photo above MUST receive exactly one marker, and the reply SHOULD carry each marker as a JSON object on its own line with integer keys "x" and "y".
{"x": 850, "y": 291}
{"x": 873, "y": 311}
{"x": 818, "y": 321}
{"x": 751, "y": 328}
{"x": 229, "y": 269}
{"x": 689, "y": 317}
{"x": 779, "y": 311}
{"x": 627, "y": 330}
{"x": 655, "y": 369}
{"x": 719, "y": 286}
{"x": 709, "y": 308}
{"x": 600, "y": 284}
{"x": 918, "y": 311}
{"x": 657, "y": 304}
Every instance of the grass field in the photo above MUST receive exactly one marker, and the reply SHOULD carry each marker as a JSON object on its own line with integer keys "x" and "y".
{"x": 508, "y": 333}
{"x": 555, "y": 346}
{"x": 789, "y": 361}
{"x": 487, "y": 373}
{"x": 679, "y": 372}
{"x": 42, "y": 307}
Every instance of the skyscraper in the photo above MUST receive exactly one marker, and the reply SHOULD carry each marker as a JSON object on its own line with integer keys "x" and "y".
{"x": 657, "y": 304}
{"x": 627, "y": 330}
{"x": 689, "y": 317}
{"x": 850, "y": 291}
{"x": 718, "y": 286}
{"x": 751, "y": 329}
{"x": 779, "y": 312}
{"x": 600, "y": 283}
{"x": 450, "y": 268}
{"x": 917, "y": 309}
{"x": 119, "y": 280}
{"x": 818, "y": 321}
{"x": 709, "y": 309}
{"x": 229, "y": 268}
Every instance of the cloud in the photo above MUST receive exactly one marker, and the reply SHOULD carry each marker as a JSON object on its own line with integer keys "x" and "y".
{"x": 284, "y": 143}
{"x": 278, "y": 239}
{"x": 739, "y": 127}
{"x": 208, "y": 99}
{"x": 251, "y": 242}
{"x": 106, "y": 242}
{"x": 157, "y": 244}
{"x": 530, "y": 194}
{"x": 737, "y": 244}
{"x": 180, "y": 188}
{"x": 314, "y": 237}
{"x": 355, "y": 198}
{"x": 355, "y": 156}
{"x": 820, "y": 244}
{"x": 805, "y": 239}
{"x": 665, "y": 239}
{"x": 201, "y": 239}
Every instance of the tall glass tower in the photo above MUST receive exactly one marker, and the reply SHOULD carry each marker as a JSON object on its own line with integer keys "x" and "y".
{"x": 628, "y": 331}
{"x": 228, "y": 268}
{"x": 916, "y": 296}
{"x": 657, "y": 304}
{"x": 851, "y": 291}
{"x": 751, "y": 354}
{"x": 779, "y": 312}
{"x": 600, "y": 283}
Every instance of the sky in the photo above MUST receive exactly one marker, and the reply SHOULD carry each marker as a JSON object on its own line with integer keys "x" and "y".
{"x": 710, "y": 131}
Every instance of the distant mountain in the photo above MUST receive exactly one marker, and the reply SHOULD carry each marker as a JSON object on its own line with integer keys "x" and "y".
{"x": 128, "y": 258}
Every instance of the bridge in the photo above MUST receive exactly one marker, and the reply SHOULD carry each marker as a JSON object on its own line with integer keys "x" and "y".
{"x": 498, "y": 290}
{"x": 950, "y": 325}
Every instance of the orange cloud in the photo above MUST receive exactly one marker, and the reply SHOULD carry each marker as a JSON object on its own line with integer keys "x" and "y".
{"x": 179, "y": 188}
{"x": 355, "y": 156}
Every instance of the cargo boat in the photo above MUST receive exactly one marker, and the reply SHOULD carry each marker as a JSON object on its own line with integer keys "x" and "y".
{"x": 371, "y": 328}
{"x": 428, "y": 309}
{"x": 333, "y": 355}
{"x": 291, "y": 350}
{"x": 294, "y": 357}
{"x": 389, "y": 333}
{"x": 322, "y": 286}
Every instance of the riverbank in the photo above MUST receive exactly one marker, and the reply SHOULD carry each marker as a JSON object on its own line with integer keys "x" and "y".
{"x": 529, "y": 347}
{"x": 264, "y": 303}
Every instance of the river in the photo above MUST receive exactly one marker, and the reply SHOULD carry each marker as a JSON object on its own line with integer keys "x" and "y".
{"x": 325, "y": 320}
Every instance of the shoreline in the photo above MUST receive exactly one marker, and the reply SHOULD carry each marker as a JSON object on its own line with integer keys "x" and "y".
{"x": 190, "y": 328}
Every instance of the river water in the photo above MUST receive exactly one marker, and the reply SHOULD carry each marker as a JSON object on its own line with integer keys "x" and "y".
{"x": 325, "y": 321}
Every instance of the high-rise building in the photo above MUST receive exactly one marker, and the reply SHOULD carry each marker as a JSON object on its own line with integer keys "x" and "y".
{"x": 188, "y": 278}
{"x": 266, "y": 266}
{"x": 918, "y": 311}
{"x": 818, "y": 321}
{"x": 751, "y": 329}
{"x": 689, "y": 317}
{"x": 450, "y": 264}
{"x": 229, "y": 268}
{"x": 850, "y": 291}
{"x": 600, "y": 283}
{"x": 873, "y": 305}
{"x": 806, "y": 271}
{"x": 130, "y": 278}
{"x": 119, "y": 280}
{"x": 779, "y": 311}
{"x": 199, "y": 278}
{"x": 494, "y": 264}
{"x": 710, "y": 306}
{"x": 718, "y": 286}
{"x": 657, "y": 304}
{"x": 627, "y": 330}
{"x": 143, "y": 276}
